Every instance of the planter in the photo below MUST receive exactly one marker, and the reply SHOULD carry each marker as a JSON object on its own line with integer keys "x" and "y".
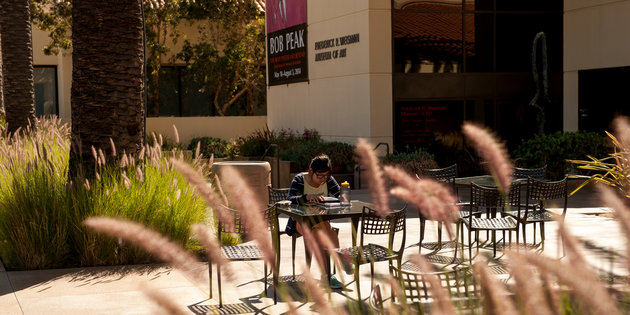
{"x": 255, "y": 173}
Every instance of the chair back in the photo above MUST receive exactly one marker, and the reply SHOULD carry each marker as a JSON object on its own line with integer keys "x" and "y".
{"x": 269, "y": 214}
{"x": 446, "y": 174}
{"x": 535, "y": 173}
{"x": 458, "y": 282}
{"x": 277, "y": 194}
{"x": 542, "y": 191}
{"x": 491, "y": 198}
{"x": 373, "y": 224}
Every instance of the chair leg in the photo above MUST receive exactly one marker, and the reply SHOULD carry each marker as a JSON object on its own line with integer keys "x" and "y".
{"x": 534, "y": 232}
{"x": 293, "y": 240}
{"x": 219, "y": 285}
{"x": 371, "y": 274}
{"x": 524, "y": 234}
{"x": 423, "y": 223}
{"x": 210, "y": 277}
{"x": 357, "y": 281}
{"x": 470, "y": 246}
{"x": 265, "y": 278}
{"x": 542, "y": 234}
{"x": 494, "y": 244}
{"x": 439, "y": 246}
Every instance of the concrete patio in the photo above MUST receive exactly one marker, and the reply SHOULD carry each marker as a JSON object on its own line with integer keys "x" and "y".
{"x": 118, "y": 290}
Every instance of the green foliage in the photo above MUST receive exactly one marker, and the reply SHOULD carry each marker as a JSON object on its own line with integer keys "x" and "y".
{"x": 55, "y": 17}
{"x": 41, "y": 214}
{"x": 209, "y": 146}
{"x": 611, "y": 170}
{"x": 555, "y": 149}
{"x": 412, "y": 161}
{"x": 166, "y": 144}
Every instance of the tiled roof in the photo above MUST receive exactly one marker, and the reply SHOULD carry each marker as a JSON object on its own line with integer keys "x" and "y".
{"x": 438, "y": 30}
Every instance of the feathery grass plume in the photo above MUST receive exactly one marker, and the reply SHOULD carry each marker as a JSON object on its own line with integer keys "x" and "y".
{"x": 87, "y": 184}
{"x": 493, "y": 152}
{"x": 551, "y": 294}
{"x": 111, "y": 142}
{"x": 198, "y": 150}
{"x": 434, "y": 200}
{"x": 126, "y": 180}
{"x": 252, "y": 209}
{"x": 444, "y": 304}
{"x": 622, "y": 213}
{"x": 394, "y": 284}
{"x": 139, "y": 174}
{"x": 374, "y": 176}
{"x": 494, "y": 293}
{"x": 221, "y": 193}
{"x": 213, "y": 249}
{"x": 584, "y": 284}
{"x": 151, "y": 241}
{"x": 94, "y": 154}
{"x": 622, "y": 131}
{"x": 528, "y": 286}
{"x": 207, "y": 193}
{"x": 321, "y": 303}
{"x": 165, "y": 304}
{"x": 176, "y": 134}
{"x": 311, "y": 244}
{"x": 332, "y": 251}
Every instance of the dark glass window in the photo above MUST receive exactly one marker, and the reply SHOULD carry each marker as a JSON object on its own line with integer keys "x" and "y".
{"x": 179, "y": 94}
{"x": 45, "y": 88}
{"x": 602, "y": 95}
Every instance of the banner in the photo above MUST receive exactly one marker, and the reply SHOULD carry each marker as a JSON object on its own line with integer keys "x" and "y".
{"x": 286, "y": 41}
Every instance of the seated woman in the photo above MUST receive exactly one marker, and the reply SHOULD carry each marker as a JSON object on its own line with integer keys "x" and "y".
{"x": 313, "y": 186}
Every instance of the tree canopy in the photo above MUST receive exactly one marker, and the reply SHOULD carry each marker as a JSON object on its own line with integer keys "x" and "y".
{"x": 227, "y": 60}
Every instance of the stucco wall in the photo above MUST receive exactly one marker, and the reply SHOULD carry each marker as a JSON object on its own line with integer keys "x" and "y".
{"x": 349, "y": 97}
{"x": 594, "y": 37}
{"x": 188, "y": 127}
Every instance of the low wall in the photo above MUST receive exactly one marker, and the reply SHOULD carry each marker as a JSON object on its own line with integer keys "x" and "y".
{"x": 224, "y": 127}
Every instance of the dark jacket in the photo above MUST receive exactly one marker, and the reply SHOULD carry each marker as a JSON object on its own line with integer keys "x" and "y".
{"x": 296, "y": 195}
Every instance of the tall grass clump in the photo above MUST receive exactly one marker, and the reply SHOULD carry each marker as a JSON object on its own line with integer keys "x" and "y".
{"x": 41, "y": 210}
{"x": 33, "y": 205}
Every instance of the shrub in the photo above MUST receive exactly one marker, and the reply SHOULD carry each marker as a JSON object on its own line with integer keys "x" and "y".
{"x": 41, "y": 213}
{"x": 554, "y": 149}
{"x": 411, "y": 161}
{"x": 209, "y": 146}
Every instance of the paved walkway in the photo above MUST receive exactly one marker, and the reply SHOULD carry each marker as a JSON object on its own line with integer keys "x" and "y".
{"x": 118, "y": 290}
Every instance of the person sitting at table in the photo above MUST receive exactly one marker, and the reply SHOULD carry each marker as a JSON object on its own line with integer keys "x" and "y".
{"x": 311, "y": 187}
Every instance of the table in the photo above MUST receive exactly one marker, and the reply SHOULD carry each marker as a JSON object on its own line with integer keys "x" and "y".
{"x": 311, "y": 214}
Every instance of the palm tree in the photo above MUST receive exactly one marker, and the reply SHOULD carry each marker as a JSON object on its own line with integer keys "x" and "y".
{"x": 107, "y": 78}
{"x": 17, "y": 63}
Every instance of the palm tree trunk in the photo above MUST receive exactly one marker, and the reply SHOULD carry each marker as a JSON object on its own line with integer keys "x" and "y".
{"x": 17, "y": 63}
{"x": 107, "y": 78}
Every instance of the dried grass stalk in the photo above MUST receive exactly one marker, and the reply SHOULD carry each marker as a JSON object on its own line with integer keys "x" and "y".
{"x": 213, "y": 249}
{"x": 622, "y": 213}
{"x": 434, "y": 200}
{"x": 496, "y": 297}
{"x": 207, "y": 193}
{"x": 252, "y": 212}
{"x": 151, "y": 241}
{"x": 493, "y": 152}
{"x": 444, "y": 304}
{"x": 374, "y": 176}
{"x": 528, "y": 286}
{"x": 584, "y": 283}
{"x": 165, "y": 304}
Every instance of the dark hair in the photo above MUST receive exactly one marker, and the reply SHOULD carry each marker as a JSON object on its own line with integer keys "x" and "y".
{"x": 320, "y": 163}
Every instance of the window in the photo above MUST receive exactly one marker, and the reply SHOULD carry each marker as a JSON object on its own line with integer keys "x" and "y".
{"x": 180, "y": 94}
{"x": 45, "y": 81}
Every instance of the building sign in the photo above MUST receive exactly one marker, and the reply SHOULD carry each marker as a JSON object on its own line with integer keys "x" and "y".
{"x": 286, "y": 41}
{"x": 333, "y": 48}
{"x": 416, "y": 122}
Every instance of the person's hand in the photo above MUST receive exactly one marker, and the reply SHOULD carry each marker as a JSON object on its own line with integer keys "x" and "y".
{"x": 314, "y": 198}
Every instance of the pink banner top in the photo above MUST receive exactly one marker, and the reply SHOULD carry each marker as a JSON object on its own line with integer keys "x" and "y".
{"x": 284, "y": 13}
